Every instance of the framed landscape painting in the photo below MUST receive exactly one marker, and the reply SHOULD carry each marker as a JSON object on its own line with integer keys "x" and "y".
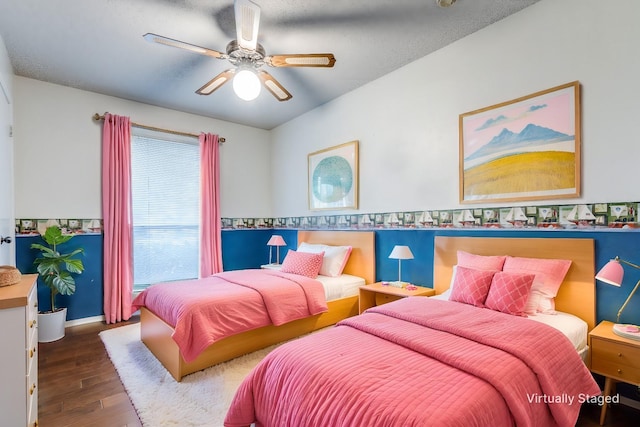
{"x": 524, "y": 149}
{"x": 333, "y": 177}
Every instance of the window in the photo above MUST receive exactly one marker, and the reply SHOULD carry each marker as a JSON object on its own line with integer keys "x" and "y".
{"x": 165, "y": 181}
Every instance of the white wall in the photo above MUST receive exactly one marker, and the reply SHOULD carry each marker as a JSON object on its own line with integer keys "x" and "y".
{"x": 58, "y": 150}
{"x": 407, "y": 121}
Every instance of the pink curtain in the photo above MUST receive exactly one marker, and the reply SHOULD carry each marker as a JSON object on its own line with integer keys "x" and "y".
{"x": 210, "y": 221}
{"x": 116, "y": 213}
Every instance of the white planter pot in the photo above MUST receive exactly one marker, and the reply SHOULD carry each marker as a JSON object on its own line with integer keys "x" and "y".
{"x": 51, "y": 325}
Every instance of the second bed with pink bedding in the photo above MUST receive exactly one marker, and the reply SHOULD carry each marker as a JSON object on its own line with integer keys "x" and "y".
{"x": 419, "y": 362}
{"x": 206, "y": 310}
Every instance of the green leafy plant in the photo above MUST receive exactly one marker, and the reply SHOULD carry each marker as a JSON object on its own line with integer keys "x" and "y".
{"x": 56, "y": 269}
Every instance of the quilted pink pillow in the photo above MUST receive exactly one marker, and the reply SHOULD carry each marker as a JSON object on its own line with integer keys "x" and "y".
{"x": 481, "y": 262}
{"x": 509, "y": 292}
{"x": 302, "y": 263}
{"x": 471, "y": 286}
{"x": 549, "y": 276}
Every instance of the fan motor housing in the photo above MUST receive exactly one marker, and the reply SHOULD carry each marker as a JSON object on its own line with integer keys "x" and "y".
{"x": 238, "y": 55}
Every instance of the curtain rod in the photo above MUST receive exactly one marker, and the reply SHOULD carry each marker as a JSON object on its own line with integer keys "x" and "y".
{"x": 221, "y": 140}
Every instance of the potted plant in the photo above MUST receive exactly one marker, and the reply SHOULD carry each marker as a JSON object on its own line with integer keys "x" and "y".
{"x": 56, "y": 271}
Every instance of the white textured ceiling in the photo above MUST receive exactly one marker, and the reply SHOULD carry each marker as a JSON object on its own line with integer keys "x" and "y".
{"x": 97, "y": 45}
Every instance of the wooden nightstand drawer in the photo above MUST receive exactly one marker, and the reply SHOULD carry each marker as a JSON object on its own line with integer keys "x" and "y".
{"x": 385, "y": 298}
{"x": 615, "y": 352}
{"x": 615, "y": 370}
{"x": 616, "y": 360}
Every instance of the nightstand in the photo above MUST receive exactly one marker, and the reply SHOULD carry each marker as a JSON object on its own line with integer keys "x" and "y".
{"x": 378, "y": 294}
{"x": 271, "y": 266}
{"x": 615, "y": 357}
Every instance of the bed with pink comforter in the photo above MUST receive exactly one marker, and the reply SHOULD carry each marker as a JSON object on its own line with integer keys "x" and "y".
{"x": 419, "y": 362}
{"x": 206, "y": 310}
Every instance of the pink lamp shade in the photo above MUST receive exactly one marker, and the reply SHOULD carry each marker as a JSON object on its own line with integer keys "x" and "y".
{"x": 276, "y": 241}
{"x": 612, "y": 273}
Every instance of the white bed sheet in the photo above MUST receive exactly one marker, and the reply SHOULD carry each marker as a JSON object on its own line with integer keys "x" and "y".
{"x": 338, "y": 287}
{"x": 574, "y": 328}
{"x": 342, "y": 286}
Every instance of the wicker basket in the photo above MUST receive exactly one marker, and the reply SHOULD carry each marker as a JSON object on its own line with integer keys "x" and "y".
{"x": 9, "y": 275}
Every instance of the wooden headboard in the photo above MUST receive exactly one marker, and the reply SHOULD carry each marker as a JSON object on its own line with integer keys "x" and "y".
{"x": 362, "y": 261}
{"x": 577, "y": 294}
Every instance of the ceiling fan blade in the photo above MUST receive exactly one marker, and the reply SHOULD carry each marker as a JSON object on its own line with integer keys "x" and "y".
{"x": 155, "y": 38}
{"x": 216, "y": 82}
{"x": 274, "y": 86}
{"x": 247, "y": 23}
{"x": 301, "y": 60}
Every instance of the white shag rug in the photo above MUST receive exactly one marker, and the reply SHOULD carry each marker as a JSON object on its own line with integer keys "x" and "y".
{"x": 200, "y": 399}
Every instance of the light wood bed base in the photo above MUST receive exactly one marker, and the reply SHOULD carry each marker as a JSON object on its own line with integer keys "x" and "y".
{"x": 576, "y": 295}
{"x": 156, "y": 334}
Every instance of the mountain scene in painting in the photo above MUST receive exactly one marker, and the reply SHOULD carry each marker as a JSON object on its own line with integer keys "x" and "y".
{"x": 530, "y": 137}
{"x": 537, "y": 159}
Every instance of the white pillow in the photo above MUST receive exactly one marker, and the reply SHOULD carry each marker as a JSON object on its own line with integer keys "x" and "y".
{"x": 335, "y": 257}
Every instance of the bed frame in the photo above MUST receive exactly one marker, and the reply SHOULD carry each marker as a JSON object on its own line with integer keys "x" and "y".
{"x": 576, "y": 295}
{"x": 156, "y": 334}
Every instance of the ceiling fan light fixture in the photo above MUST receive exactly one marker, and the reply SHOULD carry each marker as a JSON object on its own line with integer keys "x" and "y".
{"x": 246, "y": 85}
{"x": 248, "y": 56}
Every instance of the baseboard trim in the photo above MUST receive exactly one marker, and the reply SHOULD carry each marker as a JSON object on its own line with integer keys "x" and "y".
{"x": 93, "y": 319}
{"x": 83, "y": 321}
{"x": 630, "y": 402}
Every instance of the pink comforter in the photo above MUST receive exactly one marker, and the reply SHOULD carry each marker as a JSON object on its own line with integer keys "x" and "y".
{"x": 206, "y": 310}
{"x": 419, "y": 362}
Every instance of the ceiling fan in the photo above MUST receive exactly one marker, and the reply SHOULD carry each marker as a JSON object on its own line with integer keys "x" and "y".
{"x": 248, "y": 56}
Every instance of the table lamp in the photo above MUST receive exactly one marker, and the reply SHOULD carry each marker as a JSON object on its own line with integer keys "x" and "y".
{"x": 400, "y": 252}
{"x": 612, "y": 273}
{"x": 276, "y": 241}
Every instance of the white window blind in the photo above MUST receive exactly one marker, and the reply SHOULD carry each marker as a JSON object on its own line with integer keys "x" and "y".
{"x": 165, "y": 174}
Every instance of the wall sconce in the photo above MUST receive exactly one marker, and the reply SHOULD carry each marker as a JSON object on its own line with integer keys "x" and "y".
{"x": 276, "y": 241}
{"x": 400, "y": 252}
{"x": 613, "y": 273}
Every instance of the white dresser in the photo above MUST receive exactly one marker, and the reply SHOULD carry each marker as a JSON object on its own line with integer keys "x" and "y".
{"x": 18, "y": 353}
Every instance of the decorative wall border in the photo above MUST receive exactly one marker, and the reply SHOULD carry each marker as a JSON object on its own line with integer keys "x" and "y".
{"x": 28, "y": 226}
{"x": 603, "y": 216}
{"x": 622, "y": 215}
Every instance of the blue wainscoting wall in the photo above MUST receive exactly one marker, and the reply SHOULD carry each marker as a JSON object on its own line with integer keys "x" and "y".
{"x": 87, "y": 301}
{"x": 247, "y": 249}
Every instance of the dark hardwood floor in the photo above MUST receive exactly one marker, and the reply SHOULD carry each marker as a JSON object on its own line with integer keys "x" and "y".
{"x": 79, "y": 387}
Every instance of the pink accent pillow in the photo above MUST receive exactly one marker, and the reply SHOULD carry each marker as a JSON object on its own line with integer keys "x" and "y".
{"x": 509, "y": 292}
{"x": 471, "y": 286}
{"x": 302, "y": 263}
{"x": 481, "y": 262}
{"x": 549, "y": 276}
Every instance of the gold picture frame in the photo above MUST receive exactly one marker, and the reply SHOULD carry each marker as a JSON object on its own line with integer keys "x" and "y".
{"x": 524, "y": 149}
{"x": 333, "y": 177}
